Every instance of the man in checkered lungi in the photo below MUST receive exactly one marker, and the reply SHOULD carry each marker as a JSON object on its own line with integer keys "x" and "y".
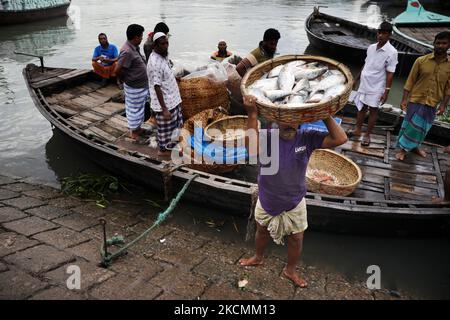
{"x": 164, "y": 93}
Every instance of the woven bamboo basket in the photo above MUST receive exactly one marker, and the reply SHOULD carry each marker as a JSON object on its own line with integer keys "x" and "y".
{"x": 346, "y": 172}
{"x": 236, "y": 123}
{"x": 203, "y": 119}
{"x": 202, "y": 93}
{"x": 297, "y": 115}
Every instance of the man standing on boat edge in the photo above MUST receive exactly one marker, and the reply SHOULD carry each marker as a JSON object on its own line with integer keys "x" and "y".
{"x": 132, "y": 69}
{"x": 164, "y": 92}
{"x": 375, "y": 81}
{"x": 427, "y": 87}
{"x": 281, "y": 208}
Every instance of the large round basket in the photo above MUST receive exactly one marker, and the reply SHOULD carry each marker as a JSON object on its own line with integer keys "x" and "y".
{"x": 203, "y": 119}
{"x": 297, "y": 115}
{"x": 346, "y": 172}
{"x": 202, "y": 93}
{"x": 228, "y": 131}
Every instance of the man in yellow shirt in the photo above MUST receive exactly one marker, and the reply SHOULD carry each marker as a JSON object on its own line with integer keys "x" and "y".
{"x": 427, "y": 89}
{"x": 265, "y": 51}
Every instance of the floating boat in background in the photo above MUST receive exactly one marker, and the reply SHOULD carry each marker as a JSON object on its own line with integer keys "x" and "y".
{"x": 33, "y": 10}
{"x": 349, "y": 40}
{"x": 401, "y": 3}
{"x": 393, "y": 198}
{"x": 419, "y": 25}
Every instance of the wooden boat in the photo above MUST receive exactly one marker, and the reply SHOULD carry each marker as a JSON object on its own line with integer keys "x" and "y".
{"x": 349, "y": 40}
{"x": 420, "y": 25}
{"x": 401, "y": 3}
{"x": 8, "y": 17}
{"x": 393, "y": 198}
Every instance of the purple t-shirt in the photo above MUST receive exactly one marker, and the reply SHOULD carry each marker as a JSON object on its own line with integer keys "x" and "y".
{"x": 284, "y": 190}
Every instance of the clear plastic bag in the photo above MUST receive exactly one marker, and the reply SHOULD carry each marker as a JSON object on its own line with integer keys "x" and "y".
{"x": 215, "y": 71}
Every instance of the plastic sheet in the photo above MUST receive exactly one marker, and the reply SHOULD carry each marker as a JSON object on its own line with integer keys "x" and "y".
{"x": 214, "y": 71}
{"x": 216, "y": 153}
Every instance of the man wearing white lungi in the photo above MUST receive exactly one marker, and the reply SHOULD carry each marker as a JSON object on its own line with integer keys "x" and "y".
{"x": 375, "y": 81}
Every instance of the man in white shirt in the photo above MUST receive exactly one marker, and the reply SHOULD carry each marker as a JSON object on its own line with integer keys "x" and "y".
{"x": 164, "y": 93}
{"x": 375, "y": 81}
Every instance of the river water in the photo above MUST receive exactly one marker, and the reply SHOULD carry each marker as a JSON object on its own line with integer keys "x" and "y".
{"x": 29, "y": 148}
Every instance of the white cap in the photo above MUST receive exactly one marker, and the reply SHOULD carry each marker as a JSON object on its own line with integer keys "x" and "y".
{"x": 158, "y": 35}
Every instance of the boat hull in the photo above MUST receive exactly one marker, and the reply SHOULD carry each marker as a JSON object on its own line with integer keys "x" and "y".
{"x": 18, "y": 17}
{"x": 354, "y": 49}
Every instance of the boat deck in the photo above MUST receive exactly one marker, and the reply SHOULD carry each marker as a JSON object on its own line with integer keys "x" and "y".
{"x": 424, "y": 34}
{"x": 98, "y": 111}
{"x": 338, "y": 33}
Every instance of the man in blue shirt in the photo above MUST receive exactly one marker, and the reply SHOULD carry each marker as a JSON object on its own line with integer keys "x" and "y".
{"x": 105, "y": 58}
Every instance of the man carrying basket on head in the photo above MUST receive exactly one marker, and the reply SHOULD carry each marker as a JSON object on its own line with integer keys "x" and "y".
{"x": 281, "y": 207}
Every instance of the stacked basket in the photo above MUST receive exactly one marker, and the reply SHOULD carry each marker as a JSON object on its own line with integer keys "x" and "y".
{"x": 204, "y": 118}
{"x": 202, "y": 93}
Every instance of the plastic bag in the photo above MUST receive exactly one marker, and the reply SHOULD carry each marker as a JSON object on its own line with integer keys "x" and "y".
{"x": 214, "y": 71}
{"x": 234, "y": 82}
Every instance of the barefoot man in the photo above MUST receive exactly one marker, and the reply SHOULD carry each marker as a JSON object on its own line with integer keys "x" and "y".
{"x": 427, "y": 87}
{"x": 281, "y": 208}
{"x": 165, "y": 94}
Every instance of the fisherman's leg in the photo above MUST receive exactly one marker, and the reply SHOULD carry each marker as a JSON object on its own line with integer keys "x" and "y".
{"x": 360, "y": 120}
{"x": 373, "y": 113}
{"x": 262, "y": 238}
{"x": 295, "y": 244}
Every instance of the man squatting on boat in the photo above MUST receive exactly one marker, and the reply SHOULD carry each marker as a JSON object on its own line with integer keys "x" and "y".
{"x": 281, "y": 207}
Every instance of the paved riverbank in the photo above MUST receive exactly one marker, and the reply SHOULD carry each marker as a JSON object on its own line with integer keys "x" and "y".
{"x": 43, "y": 232}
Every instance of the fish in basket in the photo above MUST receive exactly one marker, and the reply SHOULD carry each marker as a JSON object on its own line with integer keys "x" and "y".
{"x": 295, "y": 89}
{"x": 228, "y": 131}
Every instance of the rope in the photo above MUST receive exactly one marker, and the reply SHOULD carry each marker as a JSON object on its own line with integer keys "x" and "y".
{"x": 107, "y": 260}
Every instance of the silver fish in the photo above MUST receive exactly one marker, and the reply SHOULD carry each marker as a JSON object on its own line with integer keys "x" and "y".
{"x": 275, "y": 72}
{"x": 295, "y": 64}
{"x": 296, "y": 105}
{"x": 307, "y": 73}
{"x": 259, "y": 94}
{"x": 315, "y": 98}
{"x": 314, "y": 64}
{"x": 286, "y": 79}
{"x": 329, "y": 82}
{"x": 276, "y": 94}
{"x": 334, "y": 91}
{"x": 265, "y": 84}
{"x": 302, "y": 84}
{"x": 296, "y": 99}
